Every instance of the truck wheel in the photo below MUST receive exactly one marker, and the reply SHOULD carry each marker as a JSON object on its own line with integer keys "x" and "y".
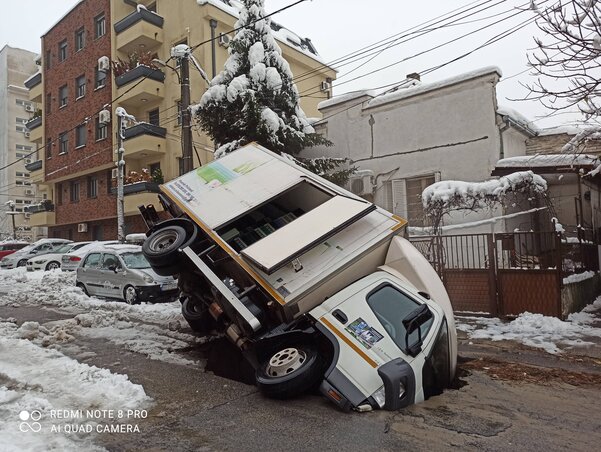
{"x": 197, "y": 316}
{"x": 162, "y": 247}
{"x": 290, "y": 372}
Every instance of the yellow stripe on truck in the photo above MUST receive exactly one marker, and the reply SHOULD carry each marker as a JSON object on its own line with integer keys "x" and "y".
{"x": 350, "y": 343}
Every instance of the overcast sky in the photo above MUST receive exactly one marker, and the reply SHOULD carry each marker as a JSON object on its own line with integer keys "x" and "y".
{"x": 339, "y": 27}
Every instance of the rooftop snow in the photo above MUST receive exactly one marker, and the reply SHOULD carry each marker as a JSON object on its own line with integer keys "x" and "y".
{"x": 345, "y": 98}
{"x": 282, "y": 34}
{"x": 427, "y": 87}
{"x": 520, "y": 119}
{"x": 567, "y": 129}
{"x": 546, "y": 160}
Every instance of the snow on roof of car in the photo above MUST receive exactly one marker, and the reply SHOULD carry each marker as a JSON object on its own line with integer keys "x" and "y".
{"x": 122, "y": 247}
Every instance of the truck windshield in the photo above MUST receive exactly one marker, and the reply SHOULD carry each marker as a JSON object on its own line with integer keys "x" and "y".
{"x": 391, "y": 306}
{"x": 135, "y": 260}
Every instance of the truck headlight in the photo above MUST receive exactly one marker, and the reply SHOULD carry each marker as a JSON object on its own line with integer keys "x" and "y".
{"x": 148, "y": 279}
{"x": 380, "y": 395}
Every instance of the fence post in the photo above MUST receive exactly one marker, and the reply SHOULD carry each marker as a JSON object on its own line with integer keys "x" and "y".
{"x": 492, "y": 275}
{"x": 558, "y": 267}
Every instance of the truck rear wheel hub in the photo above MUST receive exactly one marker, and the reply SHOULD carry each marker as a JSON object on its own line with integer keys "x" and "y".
{"x": 286, "y": 361}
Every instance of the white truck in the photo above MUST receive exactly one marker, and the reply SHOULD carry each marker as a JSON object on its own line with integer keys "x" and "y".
{"x": 314, "y": 284}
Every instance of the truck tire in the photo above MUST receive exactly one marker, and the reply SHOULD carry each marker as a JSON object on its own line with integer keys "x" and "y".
{"x": 197, "y": 316}
{"x": 162, "y": 247}
{"x": 290, "y": 372}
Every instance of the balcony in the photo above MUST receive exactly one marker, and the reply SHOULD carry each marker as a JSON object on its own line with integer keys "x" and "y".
{"x": 41, "y": 214}
{"x": 34, "y": 85}
{"x": 34, "y": 166}
{"x": 140, "y": 28}
{"x": 34, "y": 123}
{"x": 132, "y": 201}
{"x": 143, "y": 140}
{"x": 135, "y": 95}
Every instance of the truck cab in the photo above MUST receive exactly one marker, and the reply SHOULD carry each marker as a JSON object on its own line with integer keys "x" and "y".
{"x": 315, "y": 285}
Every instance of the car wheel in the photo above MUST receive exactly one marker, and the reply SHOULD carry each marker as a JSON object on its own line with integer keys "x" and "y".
{"x": 130, "y": 295}
{"x": 197, "y": 315}
{"x": 290, "y": 372}
{"x": 83, "y": 288}
{"x": 52, "y": 265}
{"x": 22, "y": 263}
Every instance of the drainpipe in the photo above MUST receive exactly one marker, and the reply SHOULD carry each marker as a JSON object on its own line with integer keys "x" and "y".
{"x": 501, "y": 130}
{"x": 213, "y": 24}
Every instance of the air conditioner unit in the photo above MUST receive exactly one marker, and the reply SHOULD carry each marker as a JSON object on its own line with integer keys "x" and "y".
{"x": 114, "y": 173}
{"x": 27, "y": 134}
{"x": 325, "y": 86}
{"x": 82, "y": 227}
{"x": 30, "y": 108}
{"x": 29, "y": 192}
{"x": 224, "y": 40}
{"x": 361, "y": 182}
{"x": 104, "y": 117}
{"x": 27, "y": 161}
{"x": 104, "y": 64}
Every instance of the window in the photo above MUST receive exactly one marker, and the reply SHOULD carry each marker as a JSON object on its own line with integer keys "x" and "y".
{"x": 153, "y": 117}
{"x": 92, "y": 187}
{"x": 62, "y": 50}
{"x": 81, "y": 134}
{"x": 63, "y": 140}
{"x": 110, "y": 262}
{"x": 80, "y": 39}
{"x": 21, "y": 174}
{"x": 99, "y": 26}
{"x": 154, "y": 167}
{"x": 59, "y": 194}
{"x": 21, "y": 129}
{"x": 101, "y": 130}
{"x": 92, "y": 261}
{"x": 48, "y": 103}
{"x": 48, "y": 59}
{"x": 391, "y": 306}
{"x": 80, "y": 82}
{"x": 23, "y": 103}
{"x": 415, "y": 209}
{"x": 21, "y": 120}
{"x": 63, "y": 93}
{"x": 74, "y": 190}
{"x": 22, "y": 147}
{"x": 100, "y": 78}
{"x": 48, "y": 148}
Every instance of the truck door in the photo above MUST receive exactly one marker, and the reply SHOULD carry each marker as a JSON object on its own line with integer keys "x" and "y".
{"x": 369, "y": 323}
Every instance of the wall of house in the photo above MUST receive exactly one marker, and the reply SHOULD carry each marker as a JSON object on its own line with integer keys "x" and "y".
{"x": 450, "y": 132}
{"x": 514, "y": 142}
{"x": 552, "y": 144}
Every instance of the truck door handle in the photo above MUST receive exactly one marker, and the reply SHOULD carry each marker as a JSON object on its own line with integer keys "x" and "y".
{"x": 340, "y": 316}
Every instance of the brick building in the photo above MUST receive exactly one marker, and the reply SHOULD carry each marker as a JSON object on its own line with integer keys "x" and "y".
{"x": 76, "y": 158}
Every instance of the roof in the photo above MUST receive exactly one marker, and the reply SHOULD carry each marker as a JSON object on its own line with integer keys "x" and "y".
{"x": 546, "y": 163}
{"x": 281, "y": 33}
{"x": 518, "y": 119}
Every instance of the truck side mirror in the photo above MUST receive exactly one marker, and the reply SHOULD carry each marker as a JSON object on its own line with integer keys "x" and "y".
{"x": 412, "y": 322}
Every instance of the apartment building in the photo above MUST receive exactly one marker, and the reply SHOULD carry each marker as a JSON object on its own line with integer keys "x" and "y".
{"x": 98, "y": 57}
{"x": 16, "y": 110}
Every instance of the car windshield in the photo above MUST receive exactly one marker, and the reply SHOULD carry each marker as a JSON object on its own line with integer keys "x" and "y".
{"x": 63, "y": 249}
{"x": 135, "y": 260}
{"x": 27, "y": 248}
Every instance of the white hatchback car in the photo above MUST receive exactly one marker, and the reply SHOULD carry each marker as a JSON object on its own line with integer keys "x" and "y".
{"x": 52, "y": 261}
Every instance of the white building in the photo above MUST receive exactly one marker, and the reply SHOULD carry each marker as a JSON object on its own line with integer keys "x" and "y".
{"x": 403, "y": 141}
{"x": 16, "y": 65}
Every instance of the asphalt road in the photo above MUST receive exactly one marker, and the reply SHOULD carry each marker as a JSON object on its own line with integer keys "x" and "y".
{"x": 511, "y": 398}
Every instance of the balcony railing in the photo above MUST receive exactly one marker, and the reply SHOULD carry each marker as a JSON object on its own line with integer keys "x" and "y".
{"x": 34, "y": 123}
{"x": 44, "y": 206}
{"x": 137, "y": 16}
{"x": 139, "y": 187}
{"x": 139, "y": 72}
{"x": 33, "y": 81}
{"x": 144, "y": 129}
{"x": 34, "y": 166}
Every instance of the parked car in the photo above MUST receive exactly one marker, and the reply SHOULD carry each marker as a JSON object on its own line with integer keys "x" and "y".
{"x": 52, "y": 261}
{"x": 122, "y": 272}
{"x": 7, "y": 248}
{"x": 71, "y": 260}
{"x": 20, "y": 257}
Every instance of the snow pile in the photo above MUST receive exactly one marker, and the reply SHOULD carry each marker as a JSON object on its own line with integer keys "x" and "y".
{"x": 469, "y": 195}
{"x": 537, "y": 330}
{"x": 571, "y": 279}
{"x": 34, "y": 378}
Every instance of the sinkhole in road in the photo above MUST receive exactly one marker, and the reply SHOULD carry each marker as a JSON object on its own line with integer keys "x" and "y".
{"x": 225, "y": 360}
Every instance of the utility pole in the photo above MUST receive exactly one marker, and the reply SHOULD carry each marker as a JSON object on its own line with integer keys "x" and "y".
{"x": 182, "y": 53}
{"x": 120, "y": 177}
{"x": 13, "y": 213}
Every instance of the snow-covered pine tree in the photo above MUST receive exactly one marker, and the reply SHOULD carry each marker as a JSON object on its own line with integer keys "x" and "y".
{"x": 255, "y": 99}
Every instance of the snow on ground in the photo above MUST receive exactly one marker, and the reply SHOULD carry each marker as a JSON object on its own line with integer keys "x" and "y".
{"x": 536, "y": 330}
{"x": 36, "y": 383}
{"x": 149, "y": 329}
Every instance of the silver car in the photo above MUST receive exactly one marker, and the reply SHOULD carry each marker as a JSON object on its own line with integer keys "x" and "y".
{"x": 20, "y": 258}
{"x": 122, "y": 272}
